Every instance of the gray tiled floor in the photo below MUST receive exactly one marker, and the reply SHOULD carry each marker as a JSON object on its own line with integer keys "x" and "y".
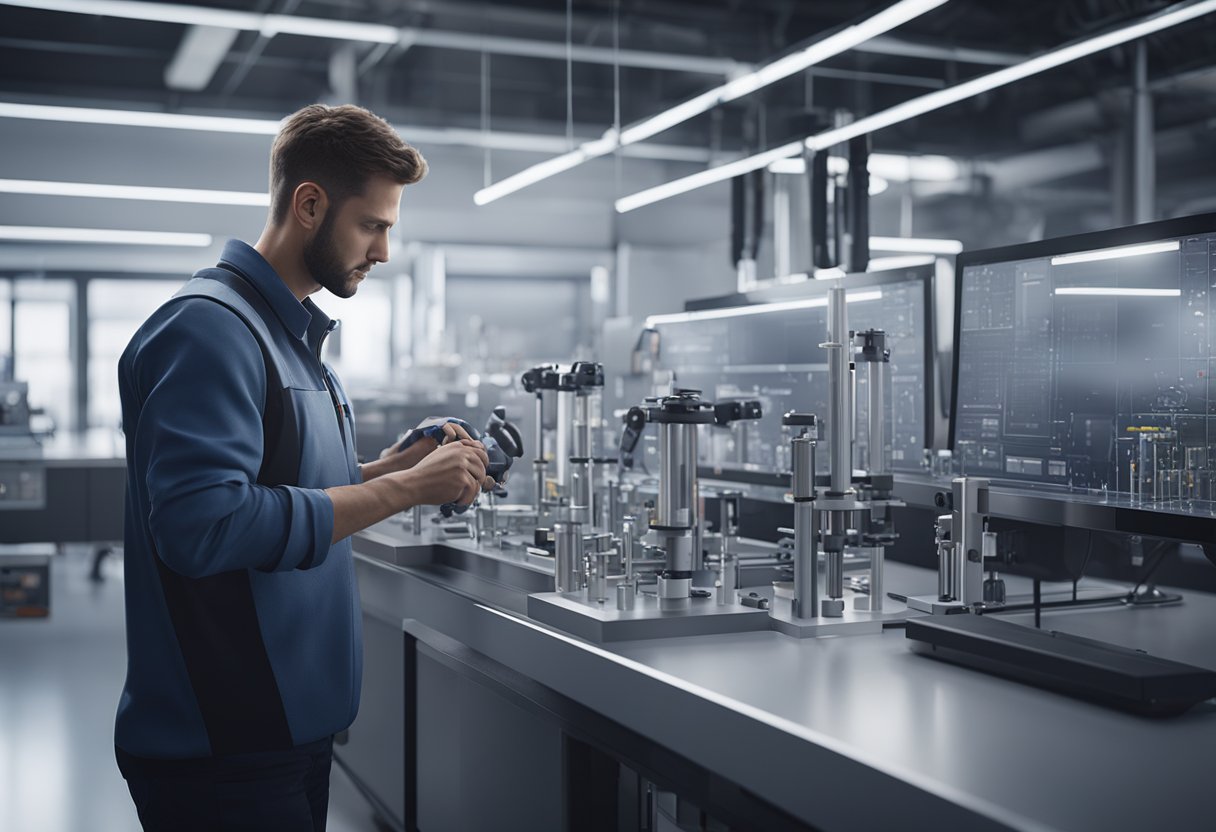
{"x": 59, "y": 684}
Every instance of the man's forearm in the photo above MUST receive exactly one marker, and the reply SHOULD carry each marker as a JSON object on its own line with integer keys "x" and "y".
{"x": 378, "y": 468}
{"x": 358, "y": 506}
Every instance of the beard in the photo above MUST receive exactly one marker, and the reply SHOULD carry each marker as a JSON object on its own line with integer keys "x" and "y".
{"x": 324, "y": 263}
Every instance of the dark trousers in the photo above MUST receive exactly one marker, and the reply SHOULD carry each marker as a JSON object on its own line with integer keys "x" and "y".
{"x": 270, "y": 790}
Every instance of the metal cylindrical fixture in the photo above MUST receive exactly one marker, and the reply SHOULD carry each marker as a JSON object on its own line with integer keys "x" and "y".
{"x": 568, "y": 556}
{"x": 416, "y": 518}
{"x": 628, "y": 528}
{"x": 625, "y": 596}
{"x": 878, "y": 592}
{"x": 970, "y": 511}
{"x": 580, "y": 492}
{"x": 806, "y": 542}
{"x": 877, "y": 375}
{"x": 677, "y": 502}
{"x": 580, "y": 426}
{"x": 945, "y": 558}
{"x": 561, "y": 454}
{"x": 538, "y": 463}
{"x": 840, "y": 425}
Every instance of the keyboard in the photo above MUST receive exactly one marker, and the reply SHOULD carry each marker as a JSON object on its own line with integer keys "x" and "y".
{"x": 1094, "y": 670}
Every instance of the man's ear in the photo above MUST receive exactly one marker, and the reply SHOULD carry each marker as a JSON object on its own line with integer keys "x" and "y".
{"x": 309, "y": 202}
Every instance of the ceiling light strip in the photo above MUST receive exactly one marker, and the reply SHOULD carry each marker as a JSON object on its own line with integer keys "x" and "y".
{"x": 770, "y": 73}
{"x": 139, "y": 118}
{"x": 916, "y": 245}
{"x": 1117, "y": 292}
{"x": 1114, "y": 253}
{"x": 36, "y": 187}
{"x": 1175, "y": 15}
{"x": 759, "y": 308}
{"x": 29, "y": 233}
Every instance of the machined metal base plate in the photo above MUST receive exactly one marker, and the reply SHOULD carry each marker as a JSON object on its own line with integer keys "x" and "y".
{"x": 852, "y": 623}
{"x": 649, "y": 618}
{"x": 933, "y": 605}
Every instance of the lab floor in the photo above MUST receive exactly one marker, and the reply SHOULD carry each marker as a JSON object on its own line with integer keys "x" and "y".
{"x": 60, "y": 679}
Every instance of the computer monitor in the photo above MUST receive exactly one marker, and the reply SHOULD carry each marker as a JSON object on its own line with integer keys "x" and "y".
{"x": 1085, "y": 362}
{"x": 765, "y": 345}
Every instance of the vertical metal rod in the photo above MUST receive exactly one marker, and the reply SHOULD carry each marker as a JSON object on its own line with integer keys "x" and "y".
{"x": 806, "y": 544}
{"x": 840, "y": 428}
{"x": 565, "y": 415}
{"x": 567, "y": 555}
{"x": 877, "y": 591}
{"x": 538, "y": 464}
{"x": 876, "y": 373}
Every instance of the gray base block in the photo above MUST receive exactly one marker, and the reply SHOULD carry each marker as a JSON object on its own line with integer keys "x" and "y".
{"x": 932, "y": 605}
{"x": 852, "y": 623}
{"x": 648, "y": 619}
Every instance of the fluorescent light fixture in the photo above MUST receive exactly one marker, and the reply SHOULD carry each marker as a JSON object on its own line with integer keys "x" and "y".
{"x": 267, "y": 24}
{"x": 137, "y": 192}
{"x": 834, "y": 44}
{"x": 1117, "y": 292}
{"x": 138, "y": 118}
{"x": 915, "y": 245}
{"x": 198, "y": 56}
{"x": 29, "y": 233}
{"x": 547, "y": 168}
{"x": 1114, "y": 253}
{"x": 890, "y": 166}
{"x": 905, "y": 261}
{"x": 706, "y": 177}
{"x": 759, "y": 309}
{"x": 1173, "y": 15}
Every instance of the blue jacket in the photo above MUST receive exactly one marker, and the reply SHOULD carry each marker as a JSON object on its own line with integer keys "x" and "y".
{"x": 243, "y": 622}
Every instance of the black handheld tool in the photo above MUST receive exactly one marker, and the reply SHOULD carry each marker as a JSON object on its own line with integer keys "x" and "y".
{"x": 503, "y": 446}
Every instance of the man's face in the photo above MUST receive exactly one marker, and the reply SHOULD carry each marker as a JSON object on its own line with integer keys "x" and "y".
{"x": 353, "y": 237}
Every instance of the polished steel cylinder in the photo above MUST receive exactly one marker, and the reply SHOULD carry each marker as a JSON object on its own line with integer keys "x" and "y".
{"x": 678, "y": 547}
{"x": 538, "y": 463}
{"x": 568, "y": 556}
{"x": 625, "y": 596}
{"x": 580, "y": 426}
{"x": 878, "y": 592}
{"x": 561, "y": 453}
{"x": 728, "y": 578}
{"x": 835, "y": 574}
{"x": 877, "y": 373}
{"x": 580, "y": 493}
{"x": 945, "y": 558}
{"x": 416, "y": 519}
{"x": 806, "y": 542}
{"x": 628, "y": 528}
{"x": 840, "y": 424}
{"x": 677, "y": 502}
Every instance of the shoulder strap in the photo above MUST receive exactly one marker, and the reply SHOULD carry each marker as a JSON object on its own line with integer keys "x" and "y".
{"x": 232, "y": 291}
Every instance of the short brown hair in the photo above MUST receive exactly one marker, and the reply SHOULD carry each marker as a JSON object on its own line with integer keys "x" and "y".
{"x": 339, "y": 148}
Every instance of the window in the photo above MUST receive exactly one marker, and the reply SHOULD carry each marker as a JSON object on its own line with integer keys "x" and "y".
{"x": 43, "y": 326}
{"x": 116, "y": 309}
{"x": 364, "y": 339}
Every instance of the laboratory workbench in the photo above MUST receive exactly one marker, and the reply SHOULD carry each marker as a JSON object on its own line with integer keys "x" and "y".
{"x": 766, "y": 731}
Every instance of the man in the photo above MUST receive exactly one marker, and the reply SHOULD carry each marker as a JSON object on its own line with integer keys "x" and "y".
{"x": 243, "y": 623}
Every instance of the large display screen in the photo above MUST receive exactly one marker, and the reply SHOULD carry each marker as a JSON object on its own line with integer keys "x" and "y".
{"x": 1086, "y": 362}
{"x": 770, "y": 350}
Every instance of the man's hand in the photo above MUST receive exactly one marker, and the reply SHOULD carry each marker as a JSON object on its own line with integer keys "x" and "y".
{"x": 391, "y": 459}
{"x": 453, "y": 473}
